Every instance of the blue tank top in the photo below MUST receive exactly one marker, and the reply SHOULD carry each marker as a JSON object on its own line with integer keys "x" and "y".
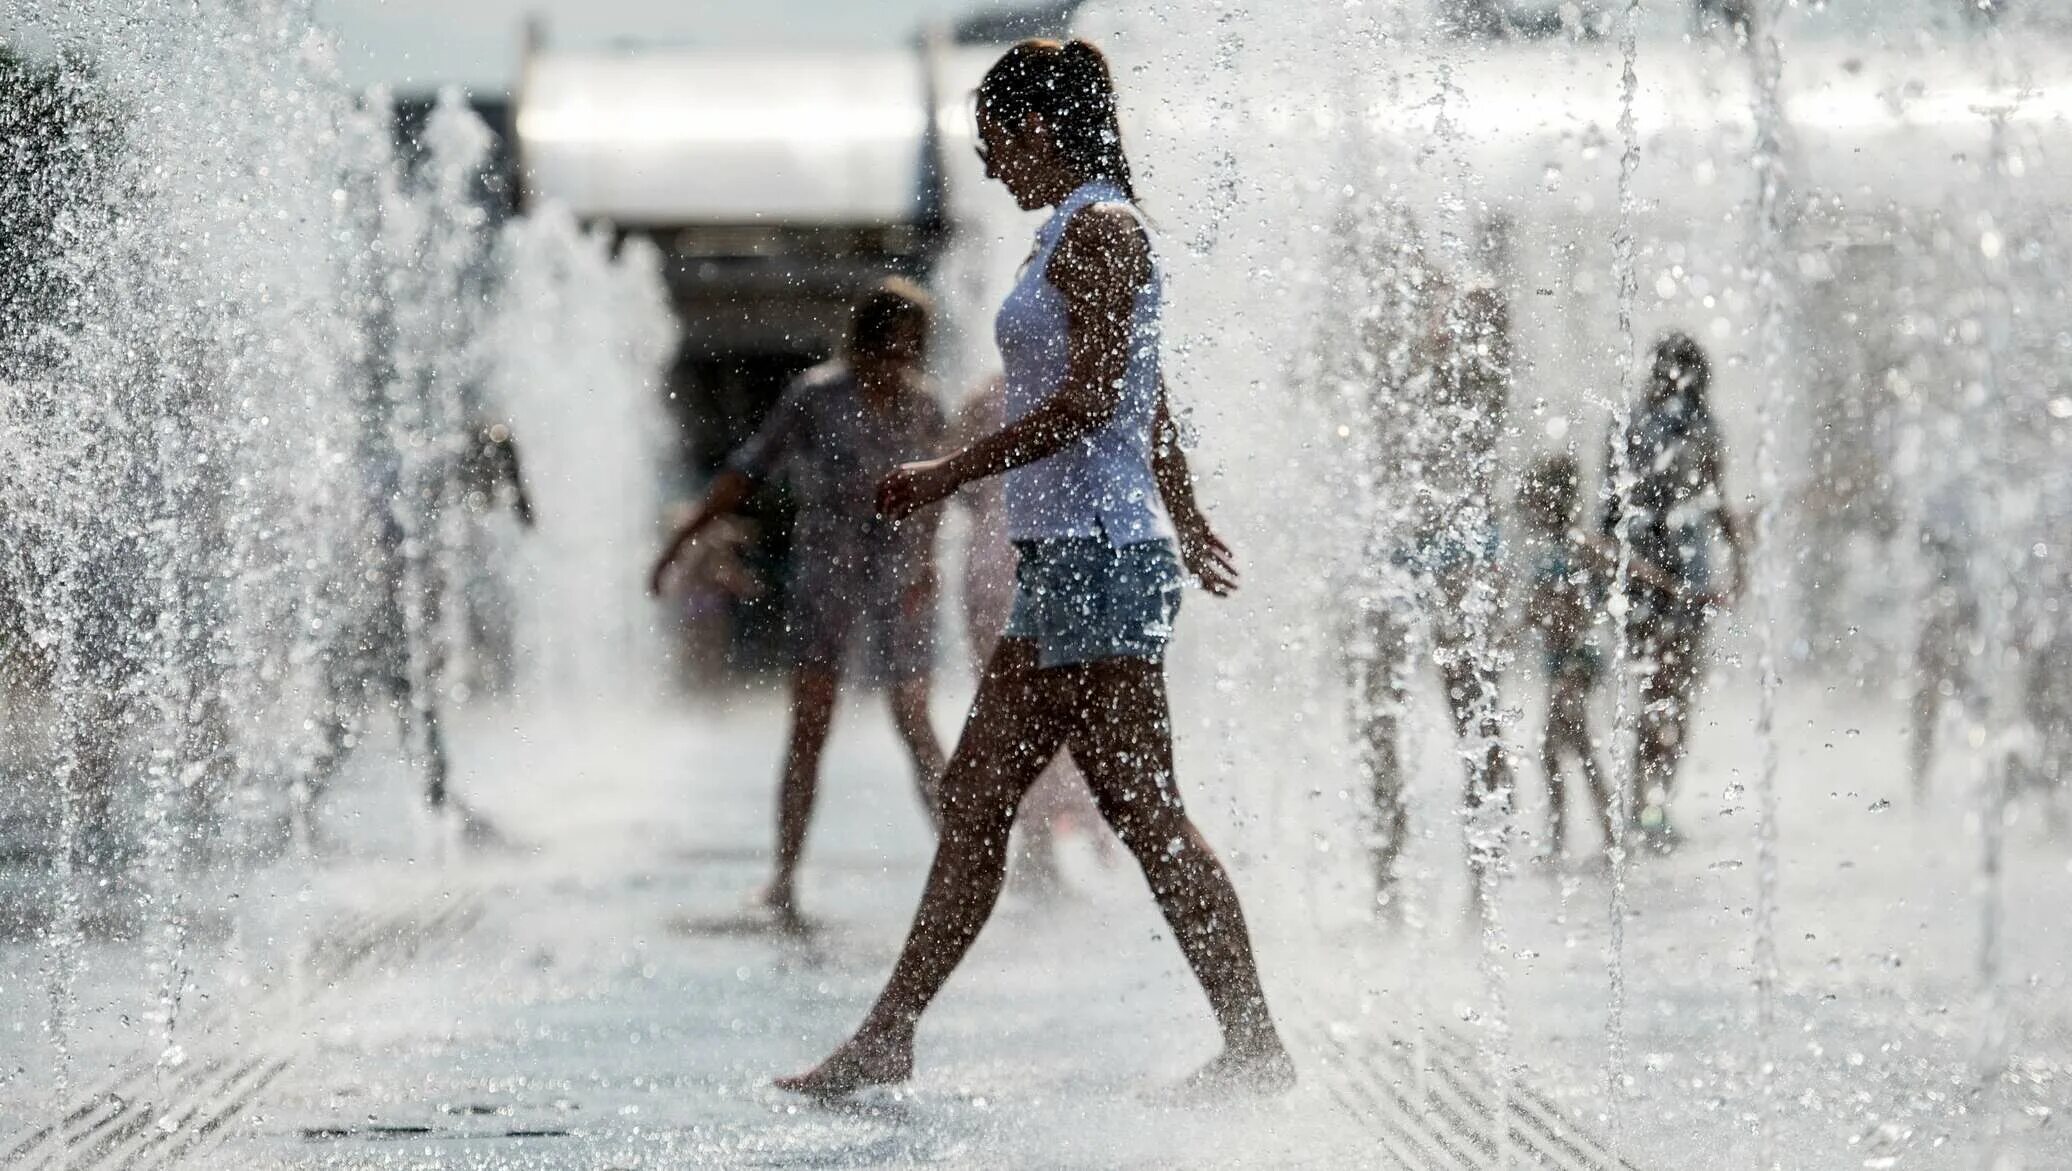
{"x": 1100, "y": 485}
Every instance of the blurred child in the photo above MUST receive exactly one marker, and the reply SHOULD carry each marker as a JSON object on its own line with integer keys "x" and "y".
{"x": 862, "y": 593}
{"x": 1572, "y": 574}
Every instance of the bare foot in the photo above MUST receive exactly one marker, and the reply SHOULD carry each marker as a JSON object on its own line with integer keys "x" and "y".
{"x": 1256, "y": 1071}
{"x": 854, "y": 1066}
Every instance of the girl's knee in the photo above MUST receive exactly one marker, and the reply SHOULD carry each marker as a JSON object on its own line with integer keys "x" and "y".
{"x": 910, "y": 705}
{"x": 971, "y": 837}
{"x": 972, "y": 807}
{"x": 1161, "y": 841}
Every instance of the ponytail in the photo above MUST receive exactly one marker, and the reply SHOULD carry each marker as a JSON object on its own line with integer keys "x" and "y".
{"x": 1070, "y": 87}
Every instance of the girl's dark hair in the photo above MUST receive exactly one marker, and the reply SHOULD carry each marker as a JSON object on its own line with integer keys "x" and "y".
{"x": 895, "y": 304}
{"x": 1069, "y": 86}
{"x": 1681, "y": 369}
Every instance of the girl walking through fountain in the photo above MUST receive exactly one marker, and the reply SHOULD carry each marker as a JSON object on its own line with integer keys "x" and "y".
{"x": 859, "y": 581}
{"x": 1080, "y": 664}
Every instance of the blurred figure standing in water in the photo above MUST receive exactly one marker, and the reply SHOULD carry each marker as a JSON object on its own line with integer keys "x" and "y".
{"x": 1453, "y": 407}
{"x": 491, "y": 478}
{"x": 1665, "y": 499}
{"x": 1102, "y": 513}
{"x": 1946, "y": 630}
{"x": 863, "y": 587}
{"x": 394, "y": 649}
{"x": 1572, "y": 576}
{"x": 1572, "y": 573}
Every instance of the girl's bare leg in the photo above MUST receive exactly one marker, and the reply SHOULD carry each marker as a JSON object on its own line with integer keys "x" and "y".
{"x": 1122, "y": 740}
{"x": 1682, "y": 679}
{"x": 1646, "y": 645}
{"x": 1600, "y": 788}
{"x": 1035, "y": 865}
{"x": 1926, "y": 711}
{"x": 1382, "y": 693}
{"x": 1553, "y": 738}
{"x": 813, "y": 691}
{"x": 1572, "y": 701}
{"x": 1472, "y": 696}
{"x": 1016, "y": 725}
{"x": 1668, "y": 696}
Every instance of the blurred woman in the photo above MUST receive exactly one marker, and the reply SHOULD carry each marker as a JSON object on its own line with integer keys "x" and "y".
{"x": 1080, "y": 664}
{"x": 861, "y": 584}
{"x": 1666, "y": 499}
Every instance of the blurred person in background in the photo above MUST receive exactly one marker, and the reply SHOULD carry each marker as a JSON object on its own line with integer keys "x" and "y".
{"x": 491, "y": 479}
{"x": 1450, "y": 408}
{"x": 1947, "y": 627}
{"x": 1665, "y": 499}
{"x": 861, "y": 603}
{"x": 1572, "y": 573}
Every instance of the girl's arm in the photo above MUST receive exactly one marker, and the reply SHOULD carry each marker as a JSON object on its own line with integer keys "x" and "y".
{"x": 729, "y": 491}
{"x": 755, "y": 460}
{"x": 1100, "y": 265}
{"x": 1738, "y": 544}
{"x": 1201, "y": 550}
{"x": 1730, "y": 524}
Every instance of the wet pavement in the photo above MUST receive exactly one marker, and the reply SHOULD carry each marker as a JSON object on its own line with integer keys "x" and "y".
{"x": 598, "y": 997}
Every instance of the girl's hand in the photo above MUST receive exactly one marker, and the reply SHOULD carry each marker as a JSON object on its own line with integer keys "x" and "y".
{"x": 1205, "y": 555}
{"x": 909, "y": 488}
{"x": 660, "y": 576}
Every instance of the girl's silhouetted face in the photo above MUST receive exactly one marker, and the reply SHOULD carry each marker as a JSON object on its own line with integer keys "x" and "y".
{"x": 1022, "y": 159}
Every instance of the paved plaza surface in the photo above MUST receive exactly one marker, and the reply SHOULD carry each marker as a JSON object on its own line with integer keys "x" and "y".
{"x": 595, "y": 996}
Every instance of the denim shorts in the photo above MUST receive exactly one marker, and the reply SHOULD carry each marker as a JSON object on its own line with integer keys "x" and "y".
{"x": 1081, "y": 599}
